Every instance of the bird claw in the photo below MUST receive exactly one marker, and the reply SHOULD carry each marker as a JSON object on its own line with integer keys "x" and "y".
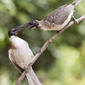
{"x": 75, "y": 20}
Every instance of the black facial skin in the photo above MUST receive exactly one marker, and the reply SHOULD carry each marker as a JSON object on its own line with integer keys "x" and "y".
{"x": 33, "y": 24}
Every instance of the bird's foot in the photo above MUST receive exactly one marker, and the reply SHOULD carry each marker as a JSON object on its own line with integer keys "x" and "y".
{"x": 75, "y": 20}
{"x": 26, "y": 69}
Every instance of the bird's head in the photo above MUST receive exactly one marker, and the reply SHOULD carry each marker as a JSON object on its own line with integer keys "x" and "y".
{"x": 16, "y": 42}
{"x": 32, "y": 24}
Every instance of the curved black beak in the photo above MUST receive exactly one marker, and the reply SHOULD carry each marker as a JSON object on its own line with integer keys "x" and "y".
{"x": 33, "y": 24}
{"x": 19, "y": 28}
{"x": 12, "y": 32}
{"x": 15, "y": 31}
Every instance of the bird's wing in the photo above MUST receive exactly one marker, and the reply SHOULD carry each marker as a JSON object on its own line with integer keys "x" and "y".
{"x": 58, "y": 16}
{"x": 13, "y": 62}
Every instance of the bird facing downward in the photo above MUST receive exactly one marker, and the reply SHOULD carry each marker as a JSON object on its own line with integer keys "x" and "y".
{"x": 57, "y": 19}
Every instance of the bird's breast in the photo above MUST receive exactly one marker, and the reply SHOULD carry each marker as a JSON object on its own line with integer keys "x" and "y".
{"x": 21, "y": 58}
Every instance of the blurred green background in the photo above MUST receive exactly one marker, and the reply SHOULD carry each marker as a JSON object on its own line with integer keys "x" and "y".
{"x": 63, "y": 62}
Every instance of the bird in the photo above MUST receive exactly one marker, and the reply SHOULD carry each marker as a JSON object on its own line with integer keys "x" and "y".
{"x": 57, "y": 19}
{"x": 20, "y": 55}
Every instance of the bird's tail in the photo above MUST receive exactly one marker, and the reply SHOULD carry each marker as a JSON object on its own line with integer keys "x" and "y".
{"x": 32, "y": 78}
{"x": 76, "y": 2}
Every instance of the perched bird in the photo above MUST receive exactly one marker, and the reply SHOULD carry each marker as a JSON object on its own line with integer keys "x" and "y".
{"x": 20, "y": 55}
{"x": 56, "y": 20}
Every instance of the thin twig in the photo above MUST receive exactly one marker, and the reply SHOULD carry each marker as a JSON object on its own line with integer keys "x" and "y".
{"x": 46, "y": 45}
{"x": 20, "y": 78}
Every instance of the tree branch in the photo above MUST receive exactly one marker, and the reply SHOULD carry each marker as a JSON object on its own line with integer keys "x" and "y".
{"x": 45, "y": 46}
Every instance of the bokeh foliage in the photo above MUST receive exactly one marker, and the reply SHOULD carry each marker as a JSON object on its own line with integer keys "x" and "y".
{"x": 63, "y": 62}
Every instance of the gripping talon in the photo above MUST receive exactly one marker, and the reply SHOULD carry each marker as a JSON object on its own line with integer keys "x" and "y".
{"x": 75, "y": 20}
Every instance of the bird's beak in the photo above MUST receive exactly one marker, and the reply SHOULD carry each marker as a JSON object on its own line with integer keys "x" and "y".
{"x": 29, "y": 25}
{"x": 12, "y": 32}
{"x": 33, "y": 24}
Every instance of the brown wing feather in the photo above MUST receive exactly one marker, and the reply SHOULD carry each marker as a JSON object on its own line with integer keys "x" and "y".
{"x": 58, "y": 16}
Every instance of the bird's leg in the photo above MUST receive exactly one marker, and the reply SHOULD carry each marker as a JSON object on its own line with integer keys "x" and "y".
{"x": 75, "y": 20}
